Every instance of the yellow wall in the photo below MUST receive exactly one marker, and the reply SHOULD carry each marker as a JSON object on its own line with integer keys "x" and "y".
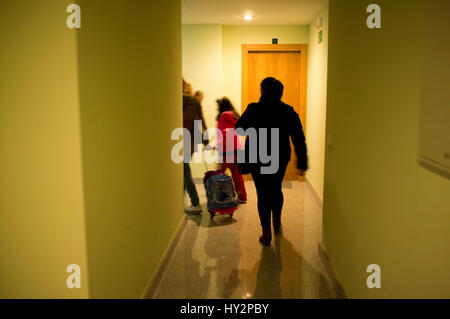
{"x": 316, "y": 103}
{"x": 41, "y": 202}
{"x": 202, "y": 64}
{"x": 202, "y": 67}
{"x": 380, "y": 206}
{"x": 130, "y": 96}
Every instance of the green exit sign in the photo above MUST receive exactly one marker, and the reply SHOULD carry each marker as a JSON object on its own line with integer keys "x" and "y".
{"x": 274, "y": 41}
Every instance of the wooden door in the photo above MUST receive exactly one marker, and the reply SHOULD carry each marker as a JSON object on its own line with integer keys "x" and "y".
{"x": 286, "y": 63}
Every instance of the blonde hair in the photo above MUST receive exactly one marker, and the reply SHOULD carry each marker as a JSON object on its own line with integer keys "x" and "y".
{"x": 187, "y": 88}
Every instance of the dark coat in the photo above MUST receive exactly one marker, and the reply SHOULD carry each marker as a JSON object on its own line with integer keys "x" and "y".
{"x": 192, "y": 110}
{"x": 276, "y": 114}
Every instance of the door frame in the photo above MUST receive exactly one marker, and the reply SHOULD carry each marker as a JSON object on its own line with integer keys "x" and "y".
{"x": 302, "y": 48}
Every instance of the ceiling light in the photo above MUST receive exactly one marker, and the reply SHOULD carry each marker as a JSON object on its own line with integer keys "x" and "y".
{"x": 248, "y": 17}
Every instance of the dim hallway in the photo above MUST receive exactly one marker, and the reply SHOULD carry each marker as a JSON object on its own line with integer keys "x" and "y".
{"x": 222, "y": 258}
{"x": 91, "y": 198}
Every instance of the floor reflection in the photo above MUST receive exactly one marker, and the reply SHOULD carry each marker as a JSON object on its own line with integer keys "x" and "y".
{"x": 222, "y": 258}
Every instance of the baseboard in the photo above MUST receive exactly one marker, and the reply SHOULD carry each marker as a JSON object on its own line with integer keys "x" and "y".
{"x": 150, "y": 290}
{"x": 330, "y": 270}
{"x": 315, "y": 196}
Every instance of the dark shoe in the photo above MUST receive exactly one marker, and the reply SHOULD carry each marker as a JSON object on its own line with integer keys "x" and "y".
{"x": 266, "y": 236}
{"x": 276, "y": 224}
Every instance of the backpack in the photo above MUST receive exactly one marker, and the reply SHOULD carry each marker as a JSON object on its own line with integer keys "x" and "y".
{"x": 220, "y": 193}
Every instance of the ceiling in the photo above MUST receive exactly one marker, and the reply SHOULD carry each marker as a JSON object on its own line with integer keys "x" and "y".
{"x": 265, "y": 12}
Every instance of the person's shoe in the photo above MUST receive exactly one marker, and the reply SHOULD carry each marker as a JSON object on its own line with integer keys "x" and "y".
{"x": 194, "y": 209}
{"x": 266, "y": 236}
{"x": 276, "y": 224}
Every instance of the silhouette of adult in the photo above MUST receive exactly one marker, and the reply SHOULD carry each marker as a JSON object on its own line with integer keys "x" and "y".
{"x": 271, "y": 113}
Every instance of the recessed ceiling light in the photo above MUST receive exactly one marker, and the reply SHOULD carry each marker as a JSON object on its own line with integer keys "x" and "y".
{"x": 248, "y": 17}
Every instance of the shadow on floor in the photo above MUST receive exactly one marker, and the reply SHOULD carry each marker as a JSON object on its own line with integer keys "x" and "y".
{"x": 204, "y": 220}
{"x": 283, "y": 273}
{"x": 218, "y": 273}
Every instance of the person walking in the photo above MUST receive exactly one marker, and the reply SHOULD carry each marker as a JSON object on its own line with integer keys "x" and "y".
{"x": 226, "y": 120}
{"x": 192, "y": 111}
{"x": 271, "y": 113}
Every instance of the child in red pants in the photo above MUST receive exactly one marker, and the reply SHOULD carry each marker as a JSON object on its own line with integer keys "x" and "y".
{"x": 226, "y": 120}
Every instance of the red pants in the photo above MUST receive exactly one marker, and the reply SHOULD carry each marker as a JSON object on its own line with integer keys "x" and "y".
{"x": 238, "y": 180}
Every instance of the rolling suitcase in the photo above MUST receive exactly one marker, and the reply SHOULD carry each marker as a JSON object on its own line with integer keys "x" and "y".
{"x": 220, "y": 193}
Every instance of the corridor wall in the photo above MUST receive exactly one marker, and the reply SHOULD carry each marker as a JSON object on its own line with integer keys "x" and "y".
{"x": 380, "y": 206}
{"x": 130, "y": 101}
{"x": 316, "y": 104}
{"x": 86, "y": 117}
{"x": 42, "y": 225}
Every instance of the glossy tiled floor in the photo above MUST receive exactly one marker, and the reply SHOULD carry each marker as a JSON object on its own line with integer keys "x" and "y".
{"x": 222, "y": 258}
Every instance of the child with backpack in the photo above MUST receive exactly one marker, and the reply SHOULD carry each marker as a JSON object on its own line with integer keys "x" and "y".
{"x": 226, "y": 119}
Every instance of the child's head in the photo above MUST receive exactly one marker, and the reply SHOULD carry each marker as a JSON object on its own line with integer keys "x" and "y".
{"x": 225, "y": 105}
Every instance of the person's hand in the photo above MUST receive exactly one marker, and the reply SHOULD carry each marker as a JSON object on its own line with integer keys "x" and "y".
{"x": 209, "y": 147}
{"x": 301, "y": 172}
